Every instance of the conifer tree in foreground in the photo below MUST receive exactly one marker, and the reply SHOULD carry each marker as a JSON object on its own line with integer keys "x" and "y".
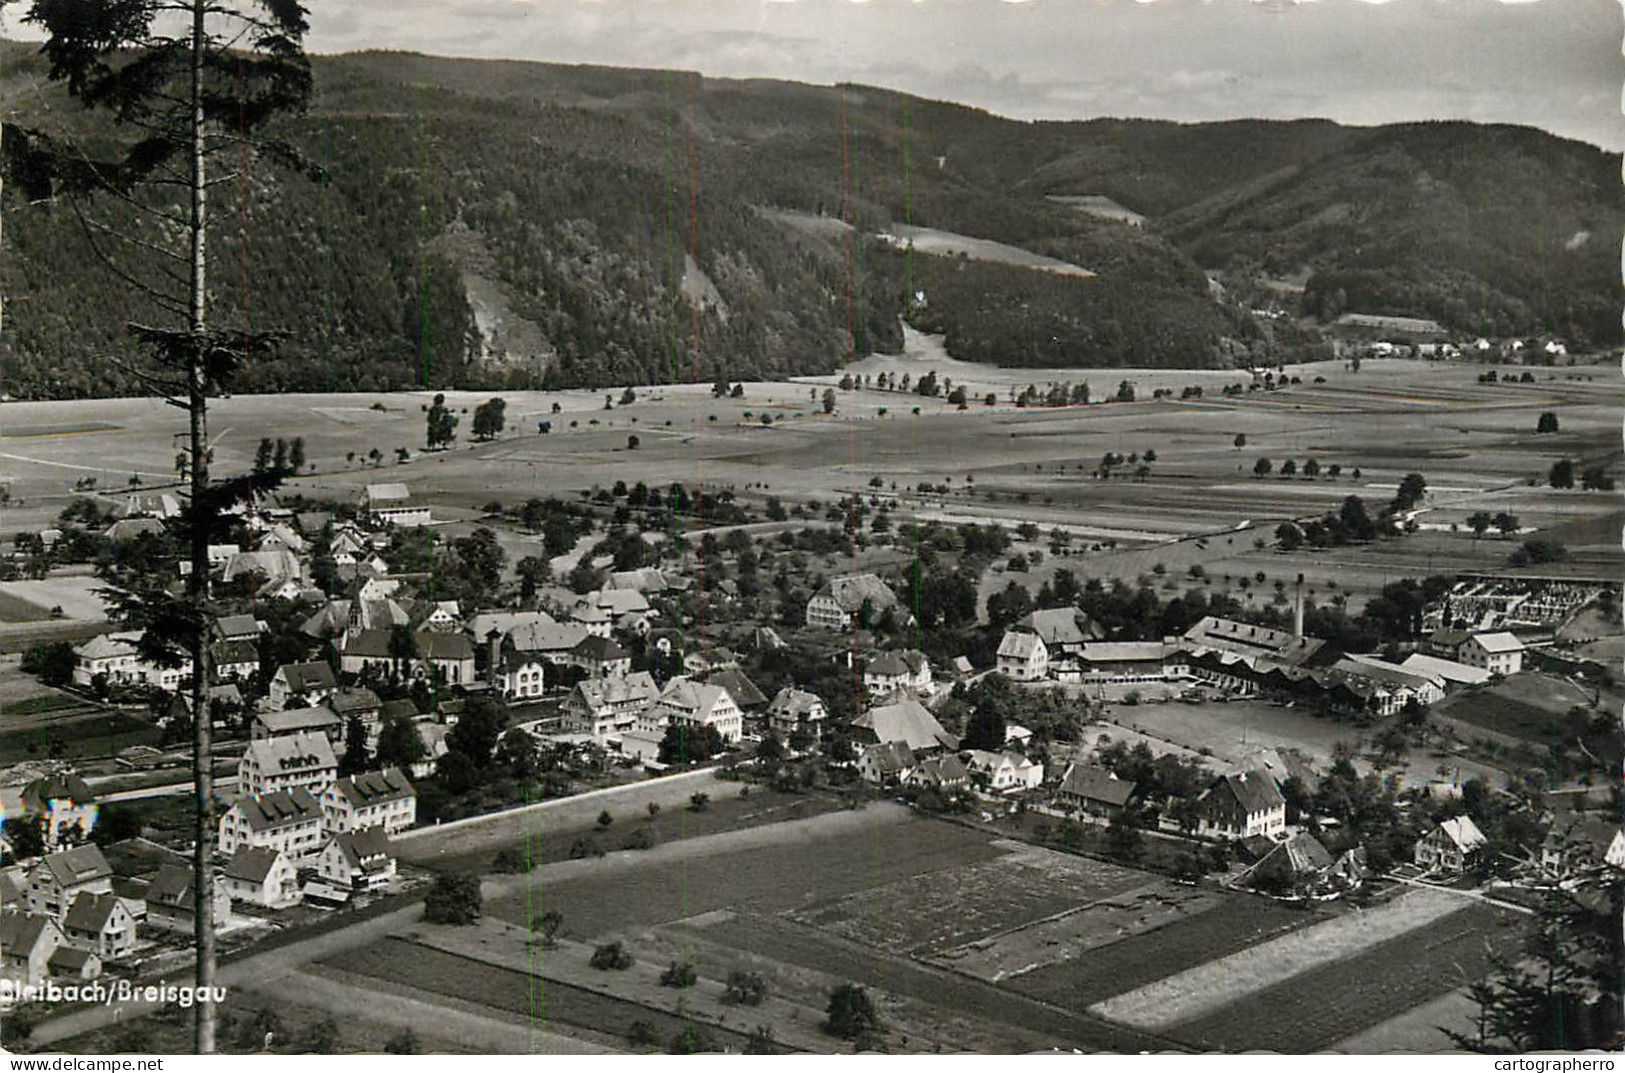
{"x": 186, "y": 84}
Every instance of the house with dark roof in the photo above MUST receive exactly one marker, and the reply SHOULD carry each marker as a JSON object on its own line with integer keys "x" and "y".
{"x": 262, "y": 876}
{"x": 238, "y": 628}
{"x": 1252, "y": 643}
{"x": 750, "y": 699}
{"x": 445, "y": 655}
{"x": 890, "y": 672}
{"x": 605, "y": 707}
{"x": 1092, "y": 791}
{"x": 311, "y": 682}
{"x": 27, "y": 943}
{"x": 600, "y": 656}
{"x": 233, "y": 661}
{"x": 360, "y": 860}
{"x": 72, "y": 964}
{"x": 65, "y": 805}
{"x": 358, "y": 702}
{"x": 1297, "y": 863}
{"x": 61, "y": 877}
{"x": 287, "y": 820}
{"x": 942, "y": 773}
{"x": 172, "y": 905}
{"x": 1241, "y": 805}
{"x": 101, "y": 924}
{"x": 905, "y": 720}
{"x": 1023, "y": 656}
{"x": 382, "y": 799}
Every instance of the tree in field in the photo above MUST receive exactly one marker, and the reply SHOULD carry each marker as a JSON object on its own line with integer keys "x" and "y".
{"x": 355, "y": 759}
{"x": 1288, "y": 468}
{"x": 262, "y": 456}
{"x": 1288, "y": 536}
{"x": 1411, "y": 490}
{"x": 188, "y": 83}
{"x": 1311, "y": 469}
{"x": 1240, "y": 441}
{"x": 632, "y": 442}
{"x": 489, "y": 419}
{"x": 454, "y": 899}
{"x": 851, "y": 1013}
{"x": 1561, "y": 474}
{"x": 1547, "y": 422}
{"x": 441, "y": 425}
{"x": 745, "y": 988}
{"x": 1262, "y": 468}
{"x": 547, "y": 926}
{"x": 1505, "y": 523}
{"x": 611, "y": 957}
{"x": 399, "y": 744}
{"x": 1596, "y": 479}
{"x": 26, "y": 836}
{"x": 296, "y": 455}
{"x": 829, "y": 400}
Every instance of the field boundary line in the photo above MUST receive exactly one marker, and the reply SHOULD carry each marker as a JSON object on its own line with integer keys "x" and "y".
{"x": 551, "y": 803}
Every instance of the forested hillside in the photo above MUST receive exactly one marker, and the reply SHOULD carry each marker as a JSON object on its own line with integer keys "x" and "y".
{"x": 504, "y": 224}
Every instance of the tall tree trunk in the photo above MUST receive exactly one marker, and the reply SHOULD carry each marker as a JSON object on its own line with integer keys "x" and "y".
{"x": 198, "y": 583}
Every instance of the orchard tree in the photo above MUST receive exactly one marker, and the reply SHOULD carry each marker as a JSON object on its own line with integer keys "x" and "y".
{"x": 489, "y": 419}
{"x": 442, "y": 425}
{"x": 1561, "y": 474}
{"x": 1262, "y": 468}
{"x": 1547, "y": 422}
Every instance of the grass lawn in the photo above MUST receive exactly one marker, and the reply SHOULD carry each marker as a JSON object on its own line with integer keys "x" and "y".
{"x": 14, "y": 608}
{"x": 80, "y": 738}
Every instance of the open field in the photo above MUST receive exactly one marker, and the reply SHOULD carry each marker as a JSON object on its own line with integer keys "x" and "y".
{"x": 949, "y": 244}
{"x": 1313, "y": 1010}
{"x": 31, "y": 601}
{"x": 1196, "y": 992}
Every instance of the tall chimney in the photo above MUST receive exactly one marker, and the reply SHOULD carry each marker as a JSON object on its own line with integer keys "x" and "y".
{"x": 1297, "y": 610}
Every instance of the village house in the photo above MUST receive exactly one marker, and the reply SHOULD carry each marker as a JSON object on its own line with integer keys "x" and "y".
{"x": 1282, "y": 648}
{"x": 1132, "y": 661}
{"x": 286, "y": 820}
{"x": 393, "y": 504}
{"x": 751, "y": 700}
{"x": 1499, "y": 653}
{"x": 100, "y": 924}
{"x": 238, "y": 627}
{"x": 601, "y": 657}
{"x": 842, "y": 602}
{"x": 61, "y": 877}
{"x": 69, "y": 963}
{"x": 519, "y": 675}
{"x": 1003, "y": 773}
{"x": 172, "y": 905}
{"x": 357, "y": 860}
{"x": 360, "y": 703}
{"x": 1064, "y": 631}
{"x": 234, "y": 661}
{"x": 261, "y": 876}
{"x": 269, "y": 764}
{"x": 943, "y": 773}
{"x": 65, "y": 805}
{"x": 291, "y": 722}
{"x": 1451, "y": 846}
{"x": 113, "y": 658}
{"x": 685, "y": 702}
{"x": 605, "y": 707}
{"x": 1093, "y": 792}
{"x": 308, "y": 683}
{"x": 890, "y": 672}
{"x": 903, "y": 720}
{"x": 1241, "y": 805}
{"x": 886, "y": 763}
{"x": 1023, "y": 657}
{"x": 383, "y": 799}
{"x": 27, "y": 942}
{"x": 795, "y": 709}
{"x": 438, "y": 615}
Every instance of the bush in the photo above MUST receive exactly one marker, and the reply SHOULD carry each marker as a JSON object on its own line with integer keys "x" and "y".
{"x": 679, "y": 974}
{"x": 699, "y": 802}
{"x": 692, "y": 1039}
{"x": 642, "y": 838}
{"x": 745, "y": 988}
{"x": 605, "y": 819}
{"x": 512, "y": 861}
{"x": 851, "y": 1013}
{"x": 403, "y": 1042}
{"x": 641, "y": 1034}
{"x": 585, "y": 847}
{"x": 611, "y": 956}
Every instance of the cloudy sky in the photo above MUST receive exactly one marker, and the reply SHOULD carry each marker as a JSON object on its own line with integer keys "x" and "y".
{"x": 1554, "y": 64}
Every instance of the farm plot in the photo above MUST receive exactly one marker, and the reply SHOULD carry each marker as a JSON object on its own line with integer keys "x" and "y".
{"x": 1197, "y": 992}
{"x": 949, "y": 908}
{"x": 1050, "y": 942}
{"x": 81, "y": 732}
{"x": 76, "y": 596}
{"x": 773, "y": 868}
{"x": 1237, "y": 923}
{"x": 1238, "y": 728}
{"x": 400, "y": 961}
{"x": 1315, "y": 1009}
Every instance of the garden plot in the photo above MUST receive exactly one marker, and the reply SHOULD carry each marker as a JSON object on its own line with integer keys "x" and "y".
{"x": 947, "y": 909}
{"x": 1070, "y": 934}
